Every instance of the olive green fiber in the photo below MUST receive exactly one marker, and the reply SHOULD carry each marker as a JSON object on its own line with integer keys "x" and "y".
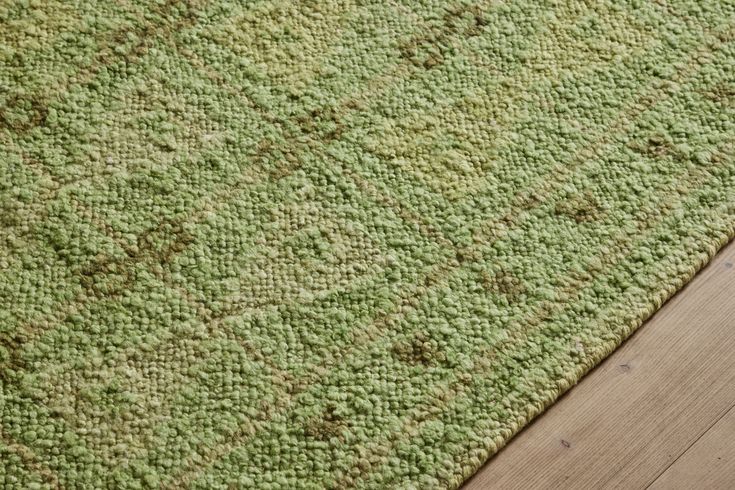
{"x": 284, "y": 244}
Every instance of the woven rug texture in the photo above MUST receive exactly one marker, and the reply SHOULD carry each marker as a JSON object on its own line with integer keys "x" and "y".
{"x": 316, "y": 244}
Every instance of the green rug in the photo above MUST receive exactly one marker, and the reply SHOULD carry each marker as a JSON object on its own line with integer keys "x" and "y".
{"x": 321, "y": 244}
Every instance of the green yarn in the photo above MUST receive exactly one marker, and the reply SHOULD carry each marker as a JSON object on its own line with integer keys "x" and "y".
{"x": 337, "y": 244}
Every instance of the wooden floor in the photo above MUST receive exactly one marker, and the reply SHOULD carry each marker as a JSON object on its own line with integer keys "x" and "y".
{"x": 659, "y": 413}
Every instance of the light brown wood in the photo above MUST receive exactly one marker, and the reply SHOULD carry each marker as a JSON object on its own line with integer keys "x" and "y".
{"x": 709, "y": 463}
{"x": 632, "y": 419}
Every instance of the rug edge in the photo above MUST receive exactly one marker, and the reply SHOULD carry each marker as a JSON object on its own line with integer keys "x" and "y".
{"x": 668, "y": 291}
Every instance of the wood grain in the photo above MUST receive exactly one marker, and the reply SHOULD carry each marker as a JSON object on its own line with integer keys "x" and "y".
{"x": 709, "y": 463}
{"x": 631, "y": 420}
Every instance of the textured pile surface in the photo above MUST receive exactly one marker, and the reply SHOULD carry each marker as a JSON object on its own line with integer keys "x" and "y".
{"x": 314, "y": 244}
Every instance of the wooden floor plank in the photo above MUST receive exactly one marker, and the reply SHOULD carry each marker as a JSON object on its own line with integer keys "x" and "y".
{"x": 633, "y": 416}
{"x": 709, "y": 463}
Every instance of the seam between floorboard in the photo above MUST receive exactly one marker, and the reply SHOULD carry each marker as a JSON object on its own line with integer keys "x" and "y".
{"x": 720, "y": 417}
